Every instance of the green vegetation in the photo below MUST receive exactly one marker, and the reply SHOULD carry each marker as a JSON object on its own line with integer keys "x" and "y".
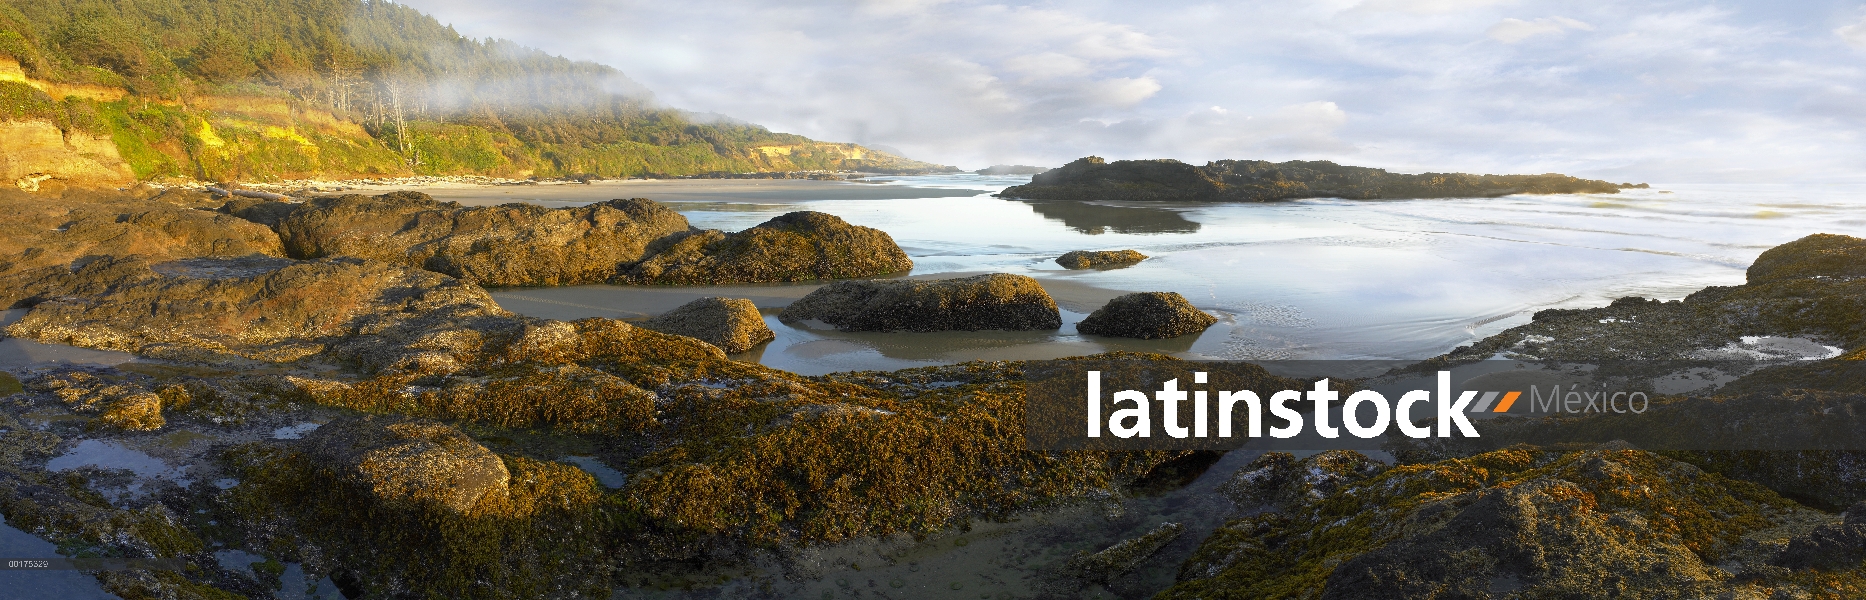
{"x": 253, "y": 89}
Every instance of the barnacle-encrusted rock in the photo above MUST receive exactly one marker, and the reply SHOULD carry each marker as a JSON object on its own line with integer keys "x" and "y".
{"x": 1279, "y": 481}
{"x": 508, "y": 245}
{"x": 798, "y": 246}
{"x": 121, "y": 405}
{"x": 990, "y": 301}
{"x": 398, "y": 459}
{"x": 1119, "y": 559}
{"x": 41, "y": 239}
{"x": 1608, "y": 522}
{"x": 1091, "y": 178}
{"x": 1818, "y": 255}
{"x": 1148, "y": 316}
{"x": 1088, "y": 259}
{"x": 732, "y": 324}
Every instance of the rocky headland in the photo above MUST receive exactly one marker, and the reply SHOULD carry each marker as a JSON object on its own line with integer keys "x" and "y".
{"x": 1092, "y": 178}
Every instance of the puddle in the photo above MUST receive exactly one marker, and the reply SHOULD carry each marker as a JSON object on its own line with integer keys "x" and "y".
{"x": 21, "y": 583}
{"x": 610, "y": 478}
{"x": 107, "y": 454}
{"x": 293, "y": 432}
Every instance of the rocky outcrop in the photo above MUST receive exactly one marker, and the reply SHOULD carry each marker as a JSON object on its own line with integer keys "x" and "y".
{"x": 1091, "y": 259}
{"x": 798, "y": 246}
{"x": 35, "y": 154}
{"x": 1807, "y": 288}
{"x": 1148, "y": 316}
{"x": 732, "y": 324}
{"x": 408, "y": 460}
{"x": 991, "y": 301}
{"x": 1092, "y": 178}
{"x": 1519, "y": 522}
{"x": 634, "y": 241}
{"x": 507, "y": 245}
{"x": 40, "y": 240}
{"x": 1010, "y": 170}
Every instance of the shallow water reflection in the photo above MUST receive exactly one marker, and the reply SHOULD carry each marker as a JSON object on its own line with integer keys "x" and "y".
{"x": 1098, "y": 218}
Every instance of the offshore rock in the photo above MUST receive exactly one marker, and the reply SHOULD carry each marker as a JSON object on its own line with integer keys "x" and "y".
{"x": 1091, "y": 178}
{"x": 1086, "y": 259}
{"x": 40, "y": 240}
{"x": 507, "y": 245}
{"x": 1148, "y": 316}
{"x": 990, "y": 301}
{"x": 408, "y": 460}
{"x": 732, "y": 324}
{"x": 798, "y": 246}
{"x": 1822, "y": 255}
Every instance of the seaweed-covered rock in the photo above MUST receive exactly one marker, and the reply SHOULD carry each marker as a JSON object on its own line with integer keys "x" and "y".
{"x": 1116, "y": 560}
{"x": 1818, "y": 255}
{"x": 1519, "y": 522}
{"x": 1148, "y": 316}
{"x": 1278, "y": 481}
{"x": 1091, "y": 178}
{"x": 41, "y": 240}
{"x": 124, "y": 405}
{"x": 990, "y": 301}
{"x": 1088, "y": 259}
{"x": 406, "y": 460}
{"x": 798, "y": 246}
{"x": 506, "y": 245}
{"x": 1835, "y": 546}
{"x": 732, "y": 324}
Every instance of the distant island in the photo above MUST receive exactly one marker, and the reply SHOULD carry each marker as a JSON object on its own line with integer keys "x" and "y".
{"x": 1092, "y": 178}
{"x": 1010, "y": 170}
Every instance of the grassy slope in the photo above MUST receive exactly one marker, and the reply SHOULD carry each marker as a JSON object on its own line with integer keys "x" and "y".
{"x": 263, "y": 89}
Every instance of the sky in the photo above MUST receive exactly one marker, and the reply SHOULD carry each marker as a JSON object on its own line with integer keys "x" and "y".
{"x": 1679, "y": 92}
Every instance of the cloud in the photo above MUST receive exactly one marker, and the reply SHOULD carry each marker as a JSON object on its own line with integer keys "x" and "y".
{"x": 1658, "y": 91}
{"x": 1427, "y": 6}
{"x": 1854, "y": 34}
{"x": 1510, "y": 31}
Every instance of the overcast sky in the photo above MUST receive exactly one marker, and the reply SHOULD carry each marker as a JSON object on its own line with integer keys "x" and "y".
{"x": 1648, "y": 91}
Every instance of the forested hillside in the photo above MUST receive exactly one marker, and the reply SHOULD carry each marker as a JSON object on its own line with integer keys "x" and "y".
{"x": 266, "y": 89}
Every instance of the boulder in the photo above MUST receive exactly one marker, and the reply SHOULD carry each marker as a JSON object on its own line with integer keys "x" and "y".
{"x": 506, "y": 245}
{"x": 1819, "y": 255}
{"x": 1087, "y": 259}
{"x": 1091, "y": 178}
{"x": 1148, "y": 316}
{"x": 396, "y": 459}
{"x": 798, "y": 246}
{"x": 732, "y": 324}
{"x": 41, "y": 240}
{"x": 990, "y": 301}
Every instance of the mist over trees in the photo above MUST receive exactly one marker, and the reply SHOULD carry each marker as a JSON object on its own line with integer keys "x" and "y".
{"x": 398, "y": 72}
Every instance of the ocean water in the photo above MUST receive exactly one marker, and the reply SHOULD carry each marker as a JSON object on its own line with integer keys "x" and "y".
{"x": 1307, "y": 279}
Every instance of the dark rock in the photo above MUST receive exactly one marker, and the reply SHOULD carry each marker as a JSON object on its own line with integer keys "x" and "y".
{"x": 1278, "y": 481}
{"x": 1092, "y": 178}
{"x": 732, "y": 324}
{"x": 1148, "y": 316}
{"x": 991, "y": 301}
{"x": 799, "y": 246}
{"x": 408, "y": 460}
{"x": 1518, "y": 522}
{"x": 1087, "y": 259}
{"x": 1836, "y": 546}
{"x": 1119, "y": 559}
{"x": 1818, "y": 255}
{"x": 507, "y": 245}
